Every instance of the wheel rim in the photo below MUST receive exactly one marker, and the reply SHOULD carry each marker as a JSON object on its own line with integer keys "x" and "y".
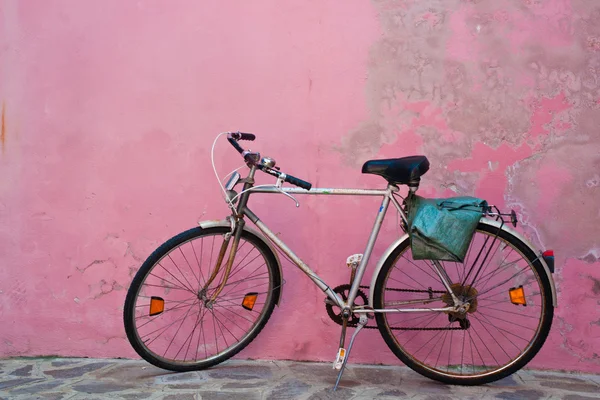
{"x": 485, "y": 340}
{"x": 191, "y": 329}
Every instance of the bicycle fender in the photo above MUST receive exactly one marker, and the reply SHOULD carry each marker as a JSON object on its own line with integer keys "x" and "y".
{"x": 485, "y": 221}
{"x": 227, "y": 224}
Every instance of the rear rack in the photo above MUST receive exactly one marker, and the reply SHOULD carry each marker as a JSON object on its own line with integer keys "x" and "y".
{"x": 494, "y": 211}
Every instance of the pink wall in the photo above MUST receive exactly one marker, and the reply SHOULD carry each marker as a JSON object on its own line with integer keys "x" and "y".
{"x": 109, "y": 110}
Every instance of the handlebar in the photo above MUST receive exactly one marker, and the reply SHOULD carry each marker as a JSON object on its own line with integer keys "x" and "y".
{"x": 298, "y": 182}
{"x": 254, "y": 159}
{"x": 233, "y": 137}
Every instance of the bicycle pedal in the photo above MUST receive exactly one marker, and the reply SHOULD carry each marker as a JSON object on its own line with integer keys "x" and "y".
{"x": 339, "y": 360}
{"x": 354, "y": 259}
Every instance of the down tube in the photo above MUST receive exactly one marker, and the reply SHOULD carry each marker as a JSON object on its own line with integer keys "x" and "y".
{"x": 283, "y": 247}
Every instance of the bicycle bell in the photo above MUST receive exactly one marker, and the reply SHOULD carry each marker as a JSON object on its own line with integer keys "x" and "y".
{"x": 268, "y": 162}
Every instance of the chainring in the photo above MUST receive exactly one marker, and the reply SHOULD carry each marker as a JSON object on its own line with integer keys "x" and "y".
{"x": 343, "y": 291}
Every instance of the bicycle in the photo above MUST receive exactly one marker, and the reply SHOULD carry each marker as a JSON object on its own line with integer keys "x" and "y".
{"x": 458, "y": 323}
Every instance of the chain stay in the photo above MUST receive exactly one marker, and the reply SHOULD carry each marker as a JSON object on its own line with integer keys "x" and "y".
{"x": 410, "y": 329}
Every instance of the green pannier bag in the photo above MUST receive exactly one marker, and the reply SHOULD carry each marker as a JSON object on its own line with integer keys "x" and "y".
{"x": 442, "y": 229}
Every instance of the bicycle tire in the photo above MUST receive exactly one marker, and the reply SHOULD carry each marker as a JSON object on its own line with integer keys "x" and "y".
{"x": 450, "y": 376}
{"x": 165, "y": 250}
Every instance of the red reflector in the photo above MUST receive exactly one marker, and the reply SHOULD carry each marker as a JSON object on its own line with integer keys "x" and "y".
{"x": 548, "y": 253}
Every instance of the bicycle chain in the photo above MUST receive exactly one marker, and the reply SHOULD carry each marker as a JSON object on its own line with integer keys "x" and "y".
{"x": 350, "y": 325}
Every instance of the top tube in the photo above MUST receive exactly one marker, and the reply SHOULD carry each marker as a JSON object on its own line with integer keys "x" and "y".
{"x": 324, "y": 191}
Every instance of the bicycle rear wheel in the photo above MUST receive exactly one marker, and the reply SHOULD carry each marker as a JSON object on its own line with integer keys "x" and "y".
{"x": 169, "y": 318}
{"x": 507, "y": 323}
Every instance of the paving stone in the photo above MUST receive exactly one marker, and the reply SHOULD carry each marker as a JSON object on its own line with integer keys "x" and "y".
{"x": 393, "y": 393}
{"x": 347, "y": 383}
{"x": 571, "y": 386}
{"x": 183, "y": 396}
{"x": 63, "y": 363}
{"x": 36, "y": 389}
{"x": 76, "y": 371}
{"x": 55, "y": 396}
{"x": 193, "y": 377}
{"x": 100, "y": 387}
{"x": 129, "y": 380}
{"x": 504, "y": 382}
{"x": 241, "y": 372}
{"x": 136, "y": 396}
{"x": 328, "y": 393}
{"x": 86, "y": 396}
{"x": 243, "y": 385}
{"x": 131, "y": 372}
{"x": 24, "y": 371}
{"x": 594, "y": 378}
{"x": 45, "y": 396}
{"x": 429, "y": 386}
{"x": 289, "y": 389}
{"x": 376, "y": 376}
{"x": 16, "y": 382}
{"x": 189, "y": 386}
{"x": 312, "y": 369}
{"x": 520, "y": 394}
{"x": 548, "y": 377}
{"x": 229, "y": 396}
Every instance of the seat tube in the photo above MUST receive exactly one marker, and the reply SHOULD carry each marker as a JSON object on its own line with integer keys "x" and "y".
{"x": 370, "y": 244}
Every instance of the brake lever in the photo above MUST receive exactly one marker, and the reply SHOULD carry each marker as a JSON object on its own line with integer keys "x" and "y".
{"x": 279, "y": 185}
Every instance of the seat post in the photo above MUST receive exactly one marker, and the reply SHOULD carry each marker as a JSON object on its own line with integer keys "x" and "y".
{"x": 413, "y": 185}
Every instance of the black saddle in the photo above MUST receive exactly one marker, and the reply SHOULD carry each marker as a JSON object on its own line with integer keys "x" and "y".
{"x": 403, "y": 171}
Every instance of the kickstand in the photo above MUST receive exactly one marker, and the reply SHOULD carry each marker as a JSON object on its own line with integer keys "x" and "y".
{"x": 361, "y": 323}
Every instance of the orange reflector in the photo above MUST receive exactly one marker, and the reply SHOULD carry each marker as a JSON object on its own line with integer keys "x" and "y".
{"x": 157, "y": 305}
{"x": 249, "y": 300}
{"x": 517, "y": 295}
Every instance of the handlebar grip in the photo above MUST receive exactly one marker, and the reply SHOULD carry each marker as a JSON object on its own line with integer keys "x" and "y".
{"x": 247, "y": 136}
{"x": 298, "y": 182}
{"x": 242, "y": 136}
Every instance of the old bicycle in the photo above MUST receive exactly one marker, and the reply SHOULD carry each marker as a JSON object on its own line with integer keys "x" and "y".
{"x": 205, "y": 294}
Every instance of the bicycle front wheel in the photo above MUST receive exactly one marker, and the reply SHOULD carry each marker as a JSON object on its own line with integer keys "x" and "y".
{"x": 509, "y": 316}
{"x": 170, "y": 318}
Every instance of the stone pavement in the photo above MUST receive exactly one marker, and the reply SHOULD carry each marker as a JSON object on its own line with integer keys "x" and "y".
{"x": 74, "y": 378}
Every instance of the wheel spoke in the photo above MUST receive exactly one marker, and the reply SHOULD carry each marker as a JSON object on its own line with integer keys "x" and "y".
{"x": 199, "y": 262}
{"x": 413, "y": 263}
{"x": 201, "y": 332}
{"x": 197, "y": 278}
{"x": 189, "y": 338}
{"x": 489, "y": 340}
{"x": 174, "y": 277}
{"x": 185, "y": 322}
{"x": 182, "y": 274}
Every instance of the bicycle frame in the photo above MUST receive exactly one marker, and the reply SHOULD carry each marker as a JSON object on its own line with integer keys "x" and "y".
{"x": 388, "y": 197}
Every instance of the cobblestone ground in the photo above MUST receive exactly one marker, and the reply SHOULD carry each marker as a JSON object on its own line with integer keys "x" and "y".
{"x": 55, "y": 378}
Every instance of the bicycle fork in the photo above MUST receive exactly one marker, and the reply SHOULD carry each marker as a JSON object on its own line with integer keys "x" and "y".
{"x": 236, "y": 233}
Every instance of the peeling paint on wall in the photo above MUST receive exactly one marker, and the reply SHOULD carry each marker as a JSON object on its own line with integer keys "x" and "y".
{"x": 515, "y": 85}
